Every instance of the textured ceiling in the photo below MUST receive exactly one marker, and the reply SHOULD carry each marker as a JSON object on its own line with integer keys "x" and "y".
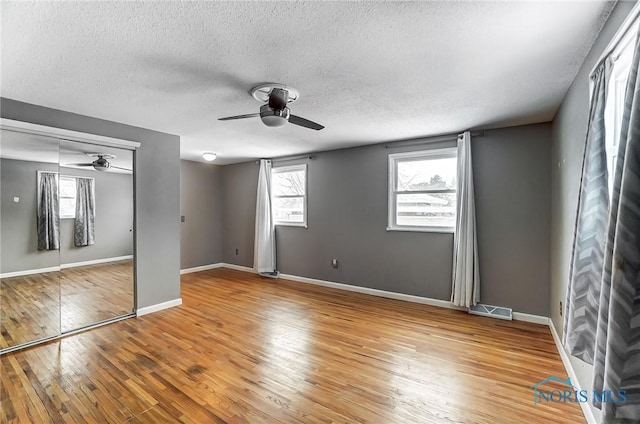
{"x": 370, "y": 72}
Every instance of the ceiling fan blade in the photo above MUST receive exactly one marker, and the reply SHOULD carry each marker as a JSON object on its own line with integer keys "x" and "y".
{"x": 251, "y": 115}
{"x": 305, "y": 123}
{"x": 118, "y": 167}
{"x": 278, "y": 98}
{"x": 78, "y": 164}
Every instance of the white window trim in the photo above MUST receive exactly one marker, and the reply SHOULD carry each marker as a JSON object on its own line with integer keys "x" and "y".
{"x": 293, "y": 168}
{"x": 449, "y": 152}
{"x": 621, "y": 54}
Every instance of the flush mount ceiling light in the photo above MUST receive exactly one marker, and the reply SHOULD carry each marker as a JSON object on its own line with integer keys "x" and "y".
{"x": 209, "y": 157}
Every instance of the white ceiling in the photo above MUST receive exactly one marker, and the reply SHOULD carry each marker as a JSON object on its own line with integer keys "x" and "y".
{"x": 369, "y": 71}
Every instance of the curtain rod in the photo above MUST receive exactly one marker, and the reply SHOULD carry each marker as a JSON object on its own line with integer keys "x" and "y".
{"x": 390, "y": 145}
{"x": 288, "y": 158}
{"x": 428, "y": 140}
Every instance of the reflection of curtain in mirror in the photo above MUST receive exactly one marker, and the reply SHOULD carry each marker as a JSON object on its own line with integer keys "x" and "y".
{"x": 48, "y": 213}
{"x": 83, "y": 234}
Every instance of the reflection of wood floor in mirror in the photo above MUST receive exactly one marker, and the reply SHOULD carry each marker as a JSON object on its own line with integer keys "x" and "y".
{"x": 246, "y": 349}
{"x": 89, "y": 294}
{"x": 29, "y": 308}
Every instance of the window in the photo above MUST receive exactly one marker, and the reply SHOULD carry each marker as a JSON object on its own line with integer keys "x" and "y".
{"x": 67, "y": 190}
{"x": 289, "y": 195}
{"x": 614, "y": 106}
{"x": 422, "y": 190}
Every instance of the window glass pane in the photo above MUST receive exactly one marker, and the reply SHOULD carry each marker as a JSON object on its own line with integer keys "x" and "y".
{"x": 288, "y": 209}
{"x": 426, "y": 210}
{"x": 67, "y": 187}
{"x": 288, "y": 183}
{"x": 427, "y": 174}
{"x": 67, "y": 207}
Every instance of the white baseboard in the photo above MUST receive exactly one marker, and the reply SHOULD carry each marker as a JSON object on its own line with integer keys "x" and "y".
{"x": 586, "y": 409}
{"x": 201, "y": 268}
{"x": 158, "y": 307}
{"x": 375, "y": 292}
{"x": 29, "y": 272}
{"x": 96, "y": 261}
{"x": 239, "y": 268}
{"x": 535, "y": 319}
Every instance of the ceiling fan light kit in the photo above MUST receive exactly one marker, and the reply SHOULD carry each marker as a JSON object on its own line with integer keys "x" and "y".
{"x": 274, "y": 112}
{"x": 274, "y": 117}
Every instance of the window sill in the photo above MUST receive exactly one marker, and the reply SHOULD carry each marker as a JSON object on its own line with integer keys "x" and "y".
{"x": 424, "y": 229}
{"x": 290, "y": 224}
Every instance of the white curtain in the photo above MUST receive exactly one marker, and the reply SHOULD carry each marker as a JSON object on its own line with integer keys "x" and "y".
{"x": 466, "y": 276}
{"x": 264, "y": 254}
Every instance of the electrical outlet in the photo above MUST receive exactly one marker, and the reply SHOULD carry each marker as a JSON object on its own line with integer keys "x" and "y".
{"x": 561, "y": 308}
{"x": 182, "y": 218}
{"x": 236, "y": 252}
{"x": 334, "y": 263}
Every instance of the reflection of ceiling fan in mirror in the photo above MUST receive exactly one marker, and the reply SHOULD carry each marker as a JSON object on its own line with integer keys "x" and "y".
{"x": 100, "y": 164}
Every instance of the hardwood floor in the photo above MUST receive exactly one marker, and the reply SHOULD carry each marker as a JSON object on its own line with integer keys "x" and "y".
{"x": 42, "y": 305}
{"x": 94, "y": 293}
{"x": 243, "y": 349}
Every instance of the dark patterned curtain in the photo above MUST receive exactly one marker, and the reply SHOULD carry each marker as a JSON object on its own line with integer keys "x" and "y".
{"x": 585, "y": 279}
{"x": 617, "y": 358}
{"x": 48, "y": 212}
{"x": 85, "y": 213}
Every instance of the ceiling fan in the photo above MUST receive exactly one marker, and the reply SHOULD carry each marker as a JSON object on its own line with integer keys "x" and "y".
{"x": 101, "y": 163}
{"x": 274, "y": 112}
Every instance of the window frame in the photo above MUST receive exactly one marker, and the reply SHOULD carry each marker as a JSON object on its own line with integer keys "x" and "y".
{"x": 292, "y": 168}
{"x": 622, "y": 56}
{"x": 392, "y": 193}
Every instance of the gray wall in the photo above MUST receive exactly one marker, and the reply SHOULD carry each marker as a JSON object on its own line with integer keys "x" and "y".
{"x": 347, "y": 219}
{"x": 157, "y": 182}
{"x": 19, "y": 240}
{"x": 513, "y": 211}
{"x": 201, "y": 205}
{"x": 113, "y": 222}
{"x": 568, "y": 137}
{"x": 239, "y": 190}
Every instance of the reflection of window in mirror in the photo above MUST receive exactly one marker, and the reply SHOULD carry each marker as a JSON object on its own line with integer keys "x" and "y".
{"x": 67, "y": 192}
{"x": 67, "y": 197}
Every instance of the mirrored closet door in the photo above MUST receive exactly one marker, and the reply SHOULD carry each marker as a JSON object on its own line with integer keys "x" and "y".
{"x": 29, "y": 239}
{"x": 67, "y": 231}
{"x": 96, "y": 234}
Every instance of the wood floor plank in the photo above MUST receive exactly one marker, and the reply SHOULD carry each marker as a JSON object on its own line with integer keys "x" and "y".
{"x": 245, "y": 349}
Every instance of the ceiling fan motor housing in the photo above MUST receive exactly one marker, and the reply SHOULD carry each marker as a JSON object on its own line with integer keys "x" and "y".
{"x": 274, "y": 117}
